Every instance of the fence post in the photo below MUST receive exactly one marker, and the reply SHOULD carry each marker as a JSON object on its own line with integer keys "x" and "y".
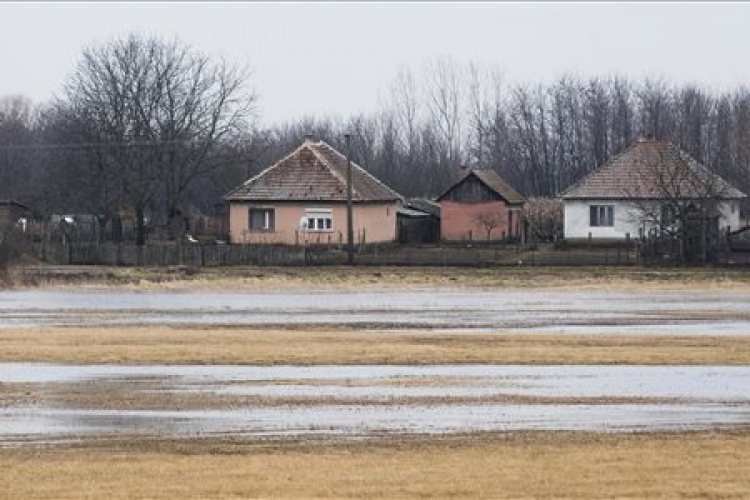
{"x": 627, "y": 248}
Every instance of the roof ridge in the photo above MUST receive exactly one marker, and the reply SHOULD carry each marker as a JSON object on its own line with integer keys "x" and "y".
{"x": 264, "y": 171}
{"x": 506, "y": 192}
{"x": 500, "y": 178}
{"x": 606, "y": 164}
{"x": 699, "y": 170}
{"x": 324, "y": 160}
{"x": 654, "y": 161}
{"x": 361, "y": 168}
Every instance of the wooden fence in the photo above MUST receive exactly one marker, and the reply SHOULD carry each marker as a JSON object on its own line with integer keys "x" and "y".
{"x": 202, "y": 255}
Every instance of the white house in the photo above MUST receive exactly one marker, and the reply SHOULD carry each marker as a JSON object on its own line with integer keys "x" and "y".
{"x": 639, "y": 189}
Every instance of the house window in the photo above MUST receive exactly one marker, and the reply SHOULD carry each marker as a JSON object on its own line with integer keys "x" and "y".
{"x": 262, "y": 219}
{"x": 319, "y": 219}
{"x": 668, "y": 215}
{"x": 602, "y": 215}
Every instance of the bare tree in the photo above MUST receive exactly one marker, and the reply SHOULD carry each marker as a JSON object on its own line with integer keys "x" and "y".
{"x": 489, "y": 220}
{"x": 156, "y": 111}
{"x": 17, "y": 132}
{"x": 444, "y": 94}
{"x": 656, "y": 109}
{"x": 545, "y": 217}
{"x": 680, "y": 199}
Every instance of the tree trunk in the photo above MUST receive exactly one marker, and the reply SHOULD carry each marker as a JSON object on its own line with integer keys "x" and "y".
{"x": 140, "y": 226}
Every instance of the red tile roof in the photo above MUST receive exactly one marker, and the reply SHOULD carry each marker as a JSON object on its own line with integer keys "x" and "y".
{"x": 314, "y": 171}
{"x": 652, "y": 169}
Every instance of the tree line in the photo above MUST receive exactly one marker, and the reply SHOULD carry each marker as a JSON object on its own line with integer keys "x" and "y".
{"x": 158, "y": 129}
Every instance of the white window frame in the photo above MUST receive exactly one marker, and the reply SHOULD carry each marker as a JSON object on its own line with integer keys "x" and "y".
{"x": 319, "y": 220}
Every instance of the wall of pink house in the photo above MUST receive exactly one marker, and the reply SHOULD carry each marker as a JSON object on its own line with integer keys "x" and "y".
{"x": 461, "y": 221}
{"x": 375, "y": 222}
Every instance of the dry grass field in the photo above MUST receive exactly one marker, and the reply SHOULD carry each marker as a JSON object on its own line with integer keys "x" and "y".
{"x": 711, "y": 464}
{"x": 534, "y": 465}
{"x": 362, "y": 277}
{"x": 244, "y": 345}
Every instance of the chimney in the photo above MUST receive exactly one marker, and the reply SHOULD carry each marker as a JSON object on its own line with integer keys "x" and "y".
{"x": 306, "y": 154}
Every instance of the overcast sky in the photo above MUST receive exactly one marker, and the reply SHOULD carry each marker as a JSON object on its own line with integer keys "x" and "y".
{"x": 334, "y": 58}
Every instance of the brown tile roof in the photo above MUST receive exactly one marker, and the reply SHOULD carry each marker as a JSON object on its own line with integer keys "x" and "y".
{"x": 316, "y": 172}
{"x": 651, "y": 169}
{"x": 494, "y": 182}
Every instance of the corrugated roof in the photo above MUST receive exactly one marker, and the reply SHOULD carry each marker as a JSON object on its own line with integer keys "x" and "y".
{"x": 494, "y": 182}
{"x": 652, "y": 169}
{"x": 314, "y": 171}
{"x": 424, "y": 205}
{"x": 410, "y": 212}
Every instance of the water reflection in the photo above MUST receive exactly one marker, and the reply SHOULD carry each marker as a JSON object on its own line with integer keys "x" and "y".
{"x": 720, "y": 313}
{"x": 689, "y": 397}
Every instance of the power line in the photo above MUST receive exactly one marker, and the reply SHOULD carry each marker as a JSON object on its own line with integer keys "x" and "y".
{"x": 94, "y": 145}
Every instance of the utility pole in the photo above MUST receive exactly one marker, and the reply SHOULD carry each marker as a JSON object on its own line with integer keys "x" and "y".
{"x": 349, "y": 216}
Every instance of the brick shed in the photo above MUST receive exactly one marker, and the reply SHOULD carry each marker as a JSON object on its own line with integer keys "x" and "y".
{"x": 481, "y": 206}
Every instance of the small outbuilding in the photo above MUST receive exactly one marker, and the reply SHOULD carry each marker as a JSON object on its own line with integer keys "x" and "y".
{"x": 481, "y": 206}
{"x": 419, "y": 221}
{"x": 13, "y": 213}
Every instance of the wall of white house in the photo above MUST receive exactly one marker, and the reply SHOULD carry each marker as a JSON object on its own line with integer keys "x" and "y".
{"x": 577, "y": 220}
{"x": 730, "y": 215}
{"x": 627, "y": 219}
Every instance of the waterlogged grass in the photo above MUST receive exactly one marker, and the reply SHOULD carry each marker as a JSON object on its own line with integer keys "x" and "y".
{"x": 541, "y": 465}
{"x": 260, "y": 346}
{"x": 514, "y": 465}
{"x": 338, "y": 277}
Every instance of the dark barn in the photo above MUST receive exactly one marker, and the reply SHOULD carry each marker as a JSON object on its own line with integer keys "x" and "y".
{"x": 418, "y": 222}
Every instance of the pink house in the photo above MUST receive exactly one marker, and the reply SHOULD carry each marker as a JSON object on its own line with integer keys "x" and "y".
{"x": 302, "y": 200}
{"x": 481, "y": 206}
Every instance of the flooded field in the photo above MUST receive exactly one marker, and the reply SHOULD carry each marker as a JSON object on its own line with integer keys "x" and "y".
{"x": 665, "y": 313}
{"x": 61, "y": 402}
{"x": 41, "y": 403}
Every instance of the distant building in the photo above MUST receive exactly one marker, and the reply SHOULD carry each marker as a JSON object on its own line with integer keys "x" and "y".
{"x": 419, "y": 221}
{"x": 302, "y": 199}
{"x": 639, "y": 189}
{"x": 13, "y": 212}
{"x": 481, "y": 206}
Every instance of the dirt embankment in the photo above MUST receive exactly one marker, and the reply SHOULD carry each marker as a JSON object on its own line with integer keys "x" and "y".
{"x": 338, "y": 277}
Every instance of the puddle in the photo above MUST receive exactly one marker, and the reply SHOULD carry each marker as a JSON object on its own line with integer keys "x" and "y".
{"x": 698, "y": 397}
{"x": 361, "y": 421}
{"x": 553, "y": 311}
